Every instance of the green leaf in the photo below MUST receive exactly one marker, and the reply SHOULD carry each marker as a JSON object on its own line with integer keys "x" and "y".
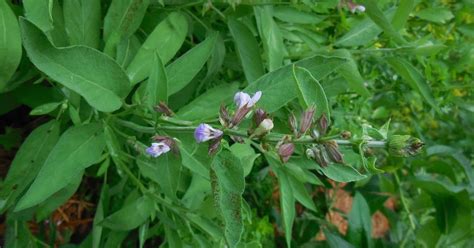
{"x": 414, "y": 78}
{"x": 402, "y": 13}
{"x": 379, "y": 18}
{"x": 123, "y": 18}
{"x": 142, "y": 234}
{"x": 246, "y": 154}
{"x": 127, "y": 49}
{"x": 426, "y": 49}
{"x": 297, "y": 168}
{"x": 164, "y": 170}
{"x": 196, "y": 166}
{"x": 198, "y": 190}
{"x": 293, "y": 15}
{"x": 99, "y": 216}
{"x": 360, "y": 225}
{"x": 299, "y": 191}
{"x": 436, "y": 14}
{"x": 28, "y": 161}
{"x": 271, "y": 36}
{"x": 10, "y": 44}
{"x": 228, "y": 184}
{"x": 185, "y": 68}
{"x": 335, "y": 241}
{"x": 131, "y": 215}
{"x": 278, "y": 87}
{"x": 47, "y": 15}
{"x": 206, "y": 106}
{"x": 351, "y": 73}
{"x": 287, "y": 198}
{"x": 341, "y": 173}
{"x": 18, "y": 234}
{"x": 310, "y": 92}
{"x": 157, "y": 85}
{"x": 83, "y": 21}
{"x": 362, "y": 33}
{"x": 247, "y": 47}
{"x": 91, "y": 74}
{"x": 45, "y": 108}
{"x": 46, "y": 208}
{"x": 166, "y": 39}
{"x": 39, "y": 12}
{"x": 115, "y": 239}
{"x": 78, "y": 148}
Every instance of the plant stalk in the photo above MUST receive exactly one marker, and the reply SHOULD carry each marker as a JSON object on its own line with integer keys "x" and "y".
{"x": 271, "y": 138}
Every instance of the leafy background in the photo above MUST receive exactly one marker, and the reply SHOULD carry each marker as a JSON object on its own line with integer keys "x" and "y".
{"x": 79, "y": 79}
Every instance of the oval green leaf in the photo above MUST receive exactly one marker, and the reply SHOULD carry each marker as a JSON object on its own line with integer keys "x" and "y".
{"x": 28, "y": 161}
{"x": 185, "y": 68}
{"x": 10, "y": 44}
{"x": 166, "y": 39}
{"x": 278, "y": 87}
{"x": 91, "y": 74}
{"x": 45, "y": 108}
{"x": 78, "y": 148}
{"x": 130, "y": 216}
{"x": 310, "y": 92}
{"x": 248, "y": 50}
{"x": 341, "y": 173}
{"x": 82, "y": 19}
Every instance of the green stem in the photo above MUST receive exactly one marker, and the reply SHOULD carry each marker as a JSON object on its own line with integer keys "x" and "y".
{"x": 271, "y": 138}
{"x": 132, "y": 177}
{"x": 404, "y": 202}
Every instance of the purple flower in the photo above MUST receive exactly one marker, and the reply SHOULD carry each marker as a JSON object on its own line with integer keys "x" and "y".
{"x": 243, "y": 99}
{"x": 156, "y": 149}
{"x": 204, "y": 132}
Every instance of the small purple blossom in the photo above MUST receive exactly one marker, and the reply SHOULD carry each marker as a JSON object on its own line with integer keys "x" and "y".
{"x": 205, "y": 132}
{"x": 243, "y": 99}
{"x": 156, "y": 149}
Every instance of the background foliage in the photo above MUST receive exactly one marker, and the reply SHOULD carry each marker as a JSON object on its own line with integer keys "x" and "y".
{"x": 94, "y": 70}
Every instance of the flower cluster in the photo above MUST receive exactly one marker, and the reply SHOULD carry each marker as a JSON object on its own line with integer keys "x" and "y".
{"x": 307, "y": 130}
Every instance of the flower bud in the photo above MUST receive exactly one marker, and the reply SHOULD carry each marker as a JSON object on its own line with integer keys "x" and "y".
{"x": 318, "y": 155}
{"x": 346, "y": 135}
{"x": 214, "y": 145}
{"x": 323, "y": 125}
{"x": 293, "y": 124}
{"x": 239, "y": 116}
{"x": 224, "y": 117}
{"x": 333, "y": 152}
{"x": 285, "y": 151}
{"x": 259, "y": 116}
{"x": 164, "y": 109}
{"x": 315, "y": 134}
{"x": 404, "y": 145}
{"x": 306, "y": 120}
{"x": 264, "y": 127}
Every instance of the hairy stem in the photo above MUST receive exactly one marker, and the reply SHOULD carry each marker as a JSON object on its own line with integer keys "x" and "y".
{"x": 271, "y": 138}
